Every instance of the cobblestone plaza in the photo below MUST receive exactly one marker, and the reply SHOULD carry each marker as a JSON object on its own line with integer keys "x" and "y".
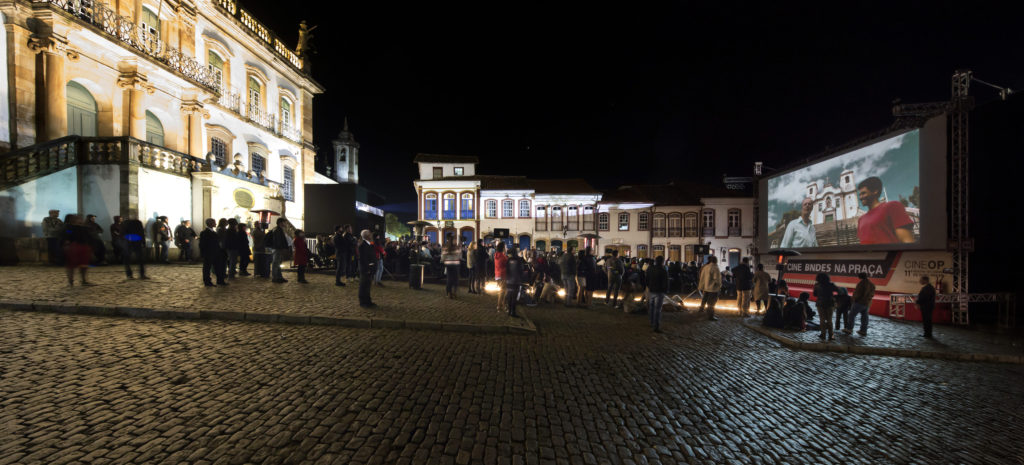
{"x": 589, "y": 386}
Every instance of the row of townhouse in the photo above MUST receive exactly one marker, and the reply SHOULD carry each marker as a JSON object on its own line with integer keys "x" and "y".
{"x": 181, "y": 108}
{"x": 559, "y": 214}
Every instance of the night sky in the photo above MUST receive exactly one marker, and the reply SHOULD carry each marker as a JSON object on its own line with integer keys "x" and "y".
{"x": 644, "y": 94}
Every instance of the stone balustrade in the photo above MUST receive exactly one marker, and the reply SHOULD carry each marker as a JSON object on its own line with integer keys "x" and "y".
{"x": 260, "y": 31}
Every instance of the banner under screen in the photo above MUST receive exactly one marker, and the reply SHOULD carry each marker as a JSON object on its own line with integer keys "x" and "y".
{"x": 870, "y": 196}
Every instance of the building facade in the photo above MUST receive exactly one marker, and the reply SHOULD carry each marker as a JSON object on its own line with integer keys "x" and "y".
{"x": 187, "y": 109}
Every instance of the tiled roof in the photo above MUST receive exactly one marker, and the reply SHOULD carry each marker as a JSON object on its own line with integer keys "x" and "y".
{"x": 494, "y": 182}
{"x": 562, "y": 186}
{"x": 668, "y": 194}
{"x": 439, "y": 158}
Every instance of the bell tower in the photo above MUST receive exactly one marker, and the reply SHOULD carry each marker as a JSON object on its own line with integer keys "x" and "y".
{"x": 346, "y": 157}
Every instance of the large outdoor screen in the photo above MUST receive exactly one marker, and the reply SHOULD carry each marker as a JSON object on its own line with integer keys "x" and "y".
{"x": 870, "y": 197}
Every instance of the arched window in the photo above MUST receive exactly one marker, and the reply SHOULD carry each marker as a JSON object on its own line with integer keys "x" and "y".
{"x": 507, "y": 210}
{"x": 641, "y": 251}
{"x": 624, "y": 221}
{"x": 81, "y": 111}
{"x": 289, "y": 184}
{"x": 675, "y": 225}
{"x": 492, "y": 208}
{"x": 216, "y": 65}
{"x": 154, "y": 130}
{"x": 466, "y": 209}
{"x": 588, "y": 217}
{"x": 448, "y": 206}
{"x": 690, "y": 224}
{"x": 541, "y": 224}
{"x": 659, "y": 225}
{"x": 735, "y": 228}
{"x": 556, "y": 221}
{"x": 572, "y": 218}
{"x": 430, "y": 208}
{"x": 220, "y": 150}
{"x": 642, "y": 221}
{"x": 602, "y": 221}
{"x": 708, "y": 222}
{"x": 524, "y": 208}
{"x": 658, "y": 251}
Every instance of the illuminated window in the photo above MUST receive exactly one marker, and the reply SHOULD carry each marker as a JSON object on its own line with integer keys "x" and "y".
{"x": 466, "y": 212}
{"x": 623, "y": 221}
{"x": 150, "y": 22}
{"x": 289, "y": 184}
{"x": 642, "y": 221}
{"x": 659, "y": 225}
{"x": 572, "y": 219}
{"x": 690, "y": 225}
{"x": 255, "y": 96}
{"x": 734, "y": 222}
{"x": 588, "y": 218}
{"x": 492, "y": 208}
{"x": 459, "y": 170}
{"x": 708, "y": 222}
{"x": 219, "y": 149}
{"x": 430, "y": 207}
{"x": 542, "y": 222}
{"x": 602, "y": 221}
{"x": 556, "y": 219}
{"x": 524, "y": 208}
{"x": 507, "y": 209}
{"x": 675, "y": 225}
{"x": 449, "y": 206}
{"x": 286, "y": 112}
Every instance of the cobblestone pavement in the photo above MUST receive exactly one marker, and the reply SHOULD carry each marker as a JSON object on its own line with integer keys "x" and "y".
{"x": 181, "y": 287}
{"x": 888, "y": 333}
{"x": 592, "y": 386}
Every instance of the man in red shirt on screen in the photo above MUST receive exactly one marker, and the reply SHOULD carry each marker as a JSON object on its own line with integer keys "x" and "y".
{"x": 885, "y": 222}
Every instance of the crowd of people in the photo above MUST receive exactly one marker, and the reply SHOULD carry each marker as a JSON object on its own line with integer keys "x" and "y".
{"x": 525, "y": 277}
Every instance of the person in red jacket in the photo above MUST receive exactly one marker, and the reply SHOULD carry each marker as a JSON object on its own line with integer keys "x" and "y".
{"x": 301, "y": 254}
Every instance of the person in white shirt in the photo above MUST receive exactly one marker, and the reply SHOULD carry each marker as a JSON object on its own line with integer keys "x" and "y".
{"x": 800, "y": 232}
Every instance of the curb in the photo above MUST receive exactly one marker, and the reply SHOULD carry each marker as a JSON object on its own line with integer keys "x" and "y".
{"x": 525, "y": 327}
{"x": 886, "y": 351}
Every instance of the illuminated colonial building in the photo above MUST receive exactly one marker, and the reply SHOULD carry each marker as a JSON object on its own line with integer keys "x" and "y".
{"x": 181, "y": 108}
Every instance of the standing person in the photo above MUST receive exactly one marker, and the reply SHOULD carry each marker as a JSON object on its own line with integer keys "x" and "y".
{"x": 630, "y": 286}
{"x": 825, "y": 291}
{"x": 513, "y": 280}
{"x": 342, "y": 252}
{"x": 567, "y": 263}
{"x": 843, "y": 303}
{"x": 243, "y": 249}
{"x": 657, "y": 286}
{"x": 231, "y": 246}
{"x": 862, "y": 295}
{"x": 301, "y": 256}
{"x": 451, "y": 268}
{"x": 710, "y": 283}
{"x": 744, "y": 280}
{"x": 184, "y": 235}
{"x": 615, "y": 269}
{"x": 500, "y": 264}
{"x": 471, "y": 266}
{"x": 481, "y": 266}
{"x": 161, "y": 238}
{"x": 259, "y": 250}
{"x": 117, "y": 238}
{"x": 134, "y": 245}
{"x": 761, "y": 281}
{"x": 53, "y": 227}
{"x": 590, "y": 268}
{"x": 210, "y": 249}
{"x": 75, "y": 239}
{"x": 378, "y": 248}
{"x": 366, "y": 262}
{"x": 280, "y": 243}
{"x": 925, "y": 303}
{"x": 222, "y": 236}
{"x": 96, "y": 239}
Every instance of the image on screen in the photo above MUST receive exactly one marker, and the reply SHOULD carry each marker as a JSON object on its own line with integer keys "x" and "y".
{"x": 869, "y": 196}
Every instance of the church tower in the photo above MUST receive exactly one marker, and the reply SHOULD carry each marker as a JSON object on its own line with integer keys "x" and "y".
{"x": 346, "y": 157}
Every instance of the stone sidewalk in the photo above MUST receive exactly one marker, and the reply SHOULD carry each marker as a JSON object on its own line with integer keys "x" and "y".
{"x": 903, "y": 339}
{"x": 177, "y": 292}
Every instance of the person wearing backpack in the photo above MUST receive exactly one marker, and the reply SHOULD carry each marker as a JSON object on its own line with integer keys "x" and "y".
{"x": 825, "y": 291}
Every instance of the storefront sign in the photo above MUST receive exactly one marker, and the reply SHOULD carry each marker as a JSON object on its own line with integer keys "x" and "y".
{"x": 893, "y": 271}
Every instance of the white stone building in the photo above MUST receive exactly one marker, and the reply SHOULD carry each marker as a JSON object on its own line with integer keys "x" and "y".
{"x": 181, "y": 108}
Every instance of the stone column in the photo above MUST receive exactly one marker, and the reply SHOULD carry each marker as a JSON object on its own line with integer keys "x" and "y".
{"x": 195, "y": 113}
{"x": 54, "y": 92}
{"x": 134, "y": 84}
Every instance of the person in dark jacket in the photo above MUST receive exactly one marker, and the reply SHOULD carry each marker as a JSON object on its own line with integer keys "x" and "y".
{"x": 514, "y": 269}
{"x": 184, "y": 236}
{"x": 342, "y": 252}
{"x": 161, "y": 238}
{"x": 117, "y": 238}
{"x": 231, "y": 246}
{"x": 367, "y": 258}
{"x": 134, "y": 234}
{"x": 843, "y": 303}
{"x": 825, "y": 291}
{"x": 567, "y": 263}
{"x": 614, "y": 268}
{"x": 259, "y": 250}
{"x": 657, "y": 286}
{"x": 75, "y": 240}
{"x": 926, "y": 304}
{"x": 222, "y": 238}
{"x": 213, "y": 254}
{"x": 281, "y": 245}
{"x": 744, "y": 280}
{"x": 242, "y": 240}
{"x": 96, "y": 238}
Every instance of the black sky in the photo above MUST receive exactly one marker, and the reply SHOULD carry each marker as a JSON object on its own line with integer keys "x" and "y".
{"x": 630, "y": 93}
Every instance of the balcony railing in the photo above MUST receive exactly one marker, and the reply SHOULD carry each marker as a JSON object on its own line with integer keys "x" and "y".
{"x": 541, "y": 224}
{"x": 690, "y": 232}
{"x": 588, "y": 225}
{"x": 449, "y": 214}
{"x": 127, "y": 32}
{"x": 231, "y": 99}
{"x": 466, "y": 214}
{"x": 659, "y": 231}
{"x": 675, "y": 232}
{"x": 430, "y": 214}
{"x": 708, "y": 231}
{"x": 735, "y": 231}
{"x": 257, "y": 29}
